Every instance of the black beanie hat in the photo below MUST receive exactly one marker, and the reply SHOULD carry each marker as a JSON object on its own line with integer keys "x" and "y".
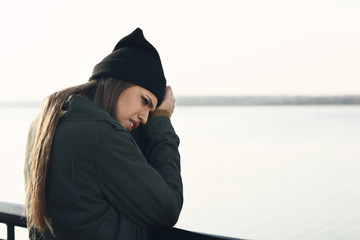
{"x": 136, "y": 61}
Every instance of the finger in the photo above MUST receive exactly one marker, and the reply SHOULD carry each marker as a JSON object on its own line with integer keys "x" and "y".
{"x": 170, "y": 92}
{"x": 167, "y": 92}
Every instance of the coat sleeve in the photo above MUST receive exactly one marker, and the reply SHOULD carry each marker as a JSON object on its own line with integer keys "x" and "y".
{"x": 146, "y": 194}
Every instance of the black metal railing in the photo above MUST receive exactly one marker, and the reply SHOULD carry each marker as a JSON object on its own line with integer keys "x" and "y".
{"x": 12, "y": 215}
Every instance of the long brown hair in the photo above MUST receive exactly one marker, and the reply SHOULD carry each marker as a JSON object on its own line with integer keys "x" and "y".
{"x": 103, "y": 92}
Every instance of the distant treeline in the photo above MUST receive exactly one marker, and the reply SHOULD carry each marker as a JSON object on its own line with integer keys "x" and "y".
{"x": 234, "y": 101}
{"x": 266, "y": 100}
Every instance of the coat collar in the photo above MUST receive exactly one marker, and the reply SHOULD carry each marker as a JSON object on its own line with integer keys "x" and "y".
{"x": 81, "y": 108}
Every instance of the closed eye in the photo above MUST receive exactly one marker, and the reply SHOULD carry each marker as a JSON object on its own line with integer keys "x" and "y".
{"x": 148, "y": 102}
{"x": 145, "y": 101}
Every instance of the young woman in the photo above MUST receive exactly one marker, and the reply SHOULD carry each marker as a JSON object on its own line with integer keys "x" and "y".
{"x": 86, "y": 176}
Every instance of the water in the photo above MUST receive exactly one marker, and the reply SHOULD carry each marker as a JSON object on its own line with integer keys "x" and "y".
{"x": 249, "y": 172}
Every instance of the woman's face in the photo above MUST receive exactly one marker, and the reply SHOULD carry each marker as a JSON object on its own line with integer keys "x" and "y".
{"x": 133, "y": 107}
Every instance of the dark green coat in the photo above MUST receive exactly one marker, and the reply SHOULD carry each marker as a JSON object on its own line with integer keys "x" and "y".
{"x": 100, "y": 185}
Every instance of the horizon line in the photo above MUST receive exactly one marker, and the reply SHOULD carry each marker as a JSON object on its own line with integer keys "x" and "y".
{"x": 233, "y": 100}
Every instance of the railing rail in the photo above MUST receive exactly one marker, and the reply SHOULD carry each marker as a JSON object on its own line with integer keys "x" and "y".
{"x": 12, "y": 215}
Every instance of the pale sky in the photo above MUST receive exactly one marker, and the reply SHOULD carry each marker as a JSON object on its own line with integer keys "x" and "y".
{"x": 258, "y": 47}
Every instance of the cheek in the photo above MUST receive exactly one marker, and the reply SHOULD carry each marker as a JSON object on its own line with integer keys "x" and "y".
{"x": 118, "y": 112}
{"x": 124, "y": 112}
{"x": 128, "y": 108}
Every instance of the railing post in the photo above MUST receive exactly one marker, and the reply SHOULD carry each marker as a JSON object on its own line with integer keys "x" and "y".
{"x": 10, "y": 231}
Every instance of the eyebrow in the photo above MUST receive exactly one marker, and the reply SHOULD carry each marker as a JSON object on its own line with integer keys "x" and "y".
{"x": 151, "y": 104}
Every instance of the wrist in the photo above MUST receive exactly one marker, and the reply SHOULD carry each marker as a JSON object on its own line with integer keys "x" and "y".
{"x": 161, "y": 112}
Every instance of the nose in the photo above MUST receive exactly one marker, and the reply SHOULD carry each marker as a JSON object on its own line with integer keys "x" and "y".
{"x": 143, "y": 116}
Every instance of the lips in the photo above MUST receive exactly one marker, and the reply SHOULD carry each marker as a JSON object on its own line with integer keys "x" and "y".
{"x": 133, "y": 125}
